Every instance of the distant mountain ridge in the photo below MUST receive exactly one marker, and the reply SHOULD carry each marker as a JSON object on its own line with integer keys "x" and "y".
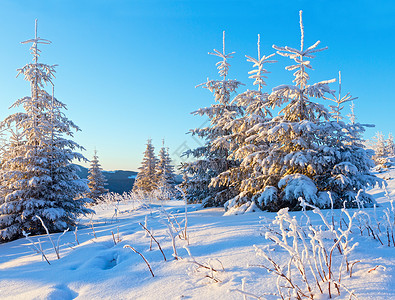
{"x": 119, "y": 181}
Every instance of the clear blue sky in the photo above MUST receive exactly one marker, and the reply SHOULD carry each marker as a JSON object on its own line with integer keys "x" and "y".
{"x": 128, "y": 69}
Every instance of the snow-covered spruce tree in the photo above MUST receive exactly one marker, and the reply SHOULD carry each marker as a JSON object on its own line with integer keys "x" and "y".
{"x": 246, "y": 177}
{"x": 96, "y": 179}
{"x": 309, "y": 154}
{"x": 379, "y": 147}
{"x": 351, "y": 172}
{"x": 390, "y": 149}
{"x": 212, "y": 160}
{"x": 165, "y": 171}
{"x": 383, "y": 151}
{"x": 37, "y": 173}
{"x": 147, "y": 178}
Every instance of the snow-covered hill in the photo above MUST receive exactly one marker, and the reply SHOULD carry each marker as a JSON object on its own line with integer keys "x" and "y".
{"x": 102, "y": 268}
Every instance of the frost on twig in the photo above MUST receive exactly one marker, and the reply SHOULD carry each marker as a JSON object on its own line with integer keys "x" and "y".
{"x": 154, "y": 239}
{"x": 93, "y": 228}
{"x": 186, "y": 213}
{"x": 76, "y": 236}
{"x": 174, "y": 229}
{"x": 56, "y": 248}
{"x": 38, "y": 248}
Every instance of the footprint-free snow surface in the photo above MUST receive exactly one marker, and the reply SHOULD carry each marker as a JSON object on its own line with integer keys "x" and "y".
{"x": 221, "y": 257}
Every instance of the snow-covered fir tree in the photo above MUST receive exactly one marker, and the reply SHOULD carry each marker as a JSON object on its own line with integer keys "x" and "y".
{"x": 37, "y": 174}
{"x": 212, "y": 160}
{"x": 165, "y": 171}
{"x": 308, "y": 154}
{"x": 384, "y": 156}
{"x": 390, "y": 149}
{"x": 246, "y": 177}
{"x": 96, "y": 180}
{"x": 379, "y": 147}
{"x": 147, "y": 178}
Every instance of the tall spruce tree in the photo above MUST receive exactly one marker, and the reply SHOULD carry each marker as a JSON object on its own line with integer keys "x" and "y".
{"x": 246, "y": 177}
{"x": 212, "y": 160}
{"x": 96, "y": 179}
{"x": 147, "y": 178}
{"x": 37, "y": 173}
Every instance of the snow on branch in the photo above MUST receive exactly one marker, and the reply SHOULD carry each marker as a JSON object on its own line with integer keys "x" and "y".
{"x": 258, "y": 74}
{"x": 298, "y": 56}
{"x": 223, "y": 65}
{"x": 339, "y": 100}
{"x": 319, "y": 89}
{"x": 35, "y": 41}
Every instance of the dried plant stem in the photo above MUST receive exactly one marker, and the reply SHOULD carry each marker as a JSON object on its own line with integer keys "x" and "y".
{"x": 75, "y": 234}
{"x": 352, "y": 265}
{"x": 173, "y": 240}
{"x": 186, "y": 214}
{"x": 153, "y": 238}
{"x": 93, "y": 229}
{"x": 49, "y": 236}
{"x": 56, "y": 248}
{"x": 113, "y": 238}
{"x": 142, "y": 256}
{"x": 38, "y": 249}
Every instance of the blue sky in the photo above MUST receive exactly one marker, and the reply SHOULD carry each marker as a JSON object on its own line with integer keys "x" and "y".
{"x": 128, "y": 69}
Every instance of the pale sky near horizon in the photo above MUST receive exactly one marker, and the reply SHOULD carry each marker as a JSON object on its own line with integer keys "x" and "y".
{"x": 128, "y": 69}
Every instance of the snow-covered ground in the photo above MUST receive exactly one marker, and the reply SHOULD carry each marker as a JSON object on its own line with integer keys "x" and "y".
{"x": 99, "y": 268}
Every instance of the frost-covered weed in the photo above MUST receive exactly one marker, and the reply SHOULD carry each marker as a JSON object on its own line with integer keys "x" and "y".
{"x": 37, "y": 248}
{"x": 209, "y": 269}
{"x": 55, "y": 247}
{"x": 174, "y": 229}
{"x": 142, "y": 256}
{"x": 382, "y": 229}
{"x": 317, "y": 256}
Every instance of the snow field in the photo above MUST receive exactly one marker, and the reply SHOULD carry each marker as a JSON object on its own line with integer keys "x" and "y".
{"x": 97, "y": 268}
